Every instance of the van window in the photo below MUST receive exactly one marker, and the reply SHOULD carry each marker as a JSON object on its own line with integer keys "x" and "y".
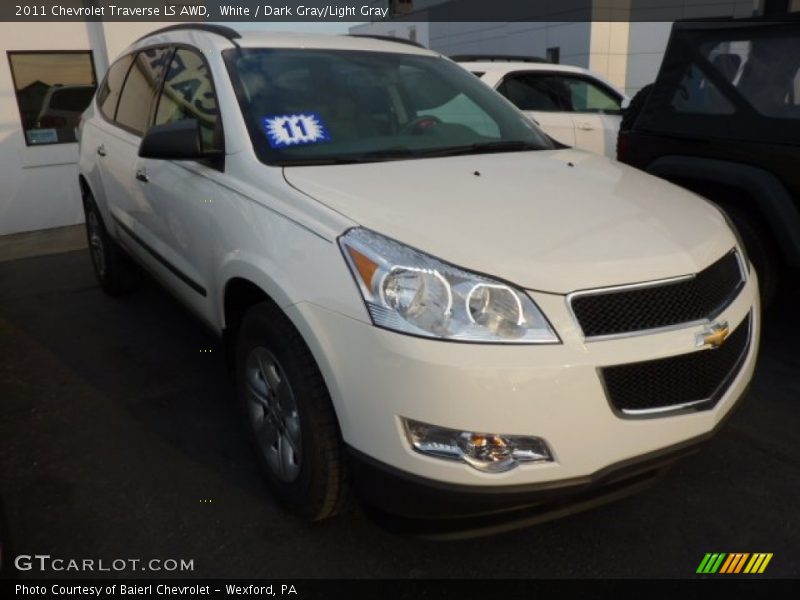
{"x": 189, "y": 93}
{"x": 140, "y": 89}
{"x": 589, "y": 97}
{"x": 545, "y": 93}
{"x": 303, "y": 106}
{"x": 108, "y": 94}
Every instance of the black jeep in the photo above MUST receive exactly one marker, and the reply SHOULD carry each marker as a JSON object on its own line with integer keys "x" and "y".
{"x": 723, "y": 120}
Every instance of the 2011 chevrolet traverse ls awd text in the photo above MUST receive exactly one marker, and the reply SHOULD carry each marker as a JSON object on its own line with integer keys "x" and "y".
{"x": 421, "y": 292}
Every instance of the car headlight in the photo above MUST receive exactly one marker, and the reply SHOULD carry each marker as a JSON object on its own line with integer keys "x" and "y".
{"x": 408, "y": 291}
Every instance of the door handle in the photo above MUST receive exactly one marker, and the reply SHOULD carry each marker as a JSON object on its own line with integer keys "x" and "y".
{"x": 101, "y": 150}
{"x": 585, "y": 126}
{"x": 141, "y": 175}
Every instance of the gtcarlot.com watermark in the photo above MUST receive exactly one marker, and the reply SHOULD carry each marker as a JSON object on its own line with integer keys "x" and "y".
{"x": 44, "y": 563}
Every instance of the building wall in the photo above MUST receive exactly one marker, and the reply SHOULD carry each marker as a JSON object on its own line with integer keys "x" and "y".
{"x": 626, "y": 52}
{"x": 398, "y": 29}
{"x": 39, "y": 187}
{"x": 525, "y": 38}
{"x": 602, "y": 46}
{"x": 609, "y": 50}
{"x": 646, "y": 45}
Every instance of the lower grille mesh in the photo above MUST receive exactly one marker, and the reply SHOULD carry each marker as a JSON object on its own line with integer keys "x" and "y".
{"x": 656, "y": 385}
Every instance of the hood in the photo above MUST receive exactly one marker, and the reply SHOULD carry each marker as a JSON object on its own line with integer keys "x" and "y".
{"x": 554, "y": 221}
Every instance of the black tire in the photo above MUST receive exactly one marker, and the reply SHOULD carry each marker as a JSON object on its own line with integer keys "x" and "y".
{"x": 112, "y": 267}
{"x": 313, "y": 481}
{"x": 761, "y": 249}
{"x": 635, "y": 107}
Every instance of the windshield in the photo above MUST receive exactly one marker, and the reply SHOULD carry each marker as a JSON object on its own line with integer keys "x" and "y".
{"x": 333, "y": 106}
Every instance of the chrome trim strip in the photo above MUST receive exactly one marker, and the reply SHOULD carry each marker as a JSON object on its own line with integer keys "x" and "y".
{"x": 744, "y": 270}
{"x": 647, "y": 284}
{"x": 662, "y": 409}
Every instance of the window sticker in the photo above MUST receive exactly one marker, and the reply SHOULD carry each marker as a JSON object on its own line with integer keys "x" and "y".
{"x": 291, "y": 130}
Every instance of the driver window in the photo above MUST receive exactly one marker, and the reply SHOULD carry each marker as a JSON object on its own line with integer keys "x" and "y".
{"x": 189, "y": 94}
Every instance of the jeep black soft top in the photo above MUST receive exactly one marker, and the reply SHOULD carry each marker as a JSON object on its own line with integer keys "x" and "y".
{"x": 723, "y": 119}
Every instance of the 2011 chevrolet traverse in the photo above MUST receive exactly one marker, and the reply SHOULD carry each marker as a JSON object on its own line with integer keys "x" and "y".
{"x": 419, "y": 288}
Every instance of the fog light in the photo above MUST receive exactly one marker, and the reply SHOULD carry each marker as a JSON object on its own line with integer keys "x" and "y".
{"x": 488, "y": 452}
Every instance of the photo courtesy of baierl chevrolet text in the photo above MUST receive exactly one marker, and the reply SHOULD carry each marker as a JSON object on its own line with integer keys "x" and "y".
{"x": 399, "y": 298}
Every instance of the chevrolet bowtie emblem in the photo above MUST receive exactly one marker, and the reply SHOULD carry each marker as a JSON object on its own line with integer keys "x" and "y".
{"x": 713, "y": 336}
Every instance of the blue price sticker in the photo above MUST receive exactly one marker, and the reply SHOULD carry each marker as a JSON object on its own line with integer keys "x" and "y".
{"x": 292, "y": 130}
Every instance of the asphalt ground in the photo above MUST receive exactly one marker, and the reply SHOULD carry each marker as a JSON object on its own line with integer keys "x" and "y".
{"x": 119, "y": 439}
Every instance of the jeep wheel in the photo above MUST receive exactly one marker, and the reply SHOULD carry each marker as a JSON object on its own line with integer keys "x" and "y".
{"x": 288, "y": 415}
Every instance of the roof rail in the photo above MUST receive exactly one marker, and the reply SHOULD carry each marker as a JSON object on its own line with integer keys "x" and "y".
{"x": 226, "y": 32}
{"x": 497, "y": 58}
{"x": 387, "y": 38}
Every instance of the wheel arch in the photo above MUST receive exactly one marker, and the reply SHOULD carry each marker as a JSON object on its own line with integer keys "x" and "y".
{"x": 87, "y": 192}
{"x": 84, "y": 186}
{"x": 242, "y": 291}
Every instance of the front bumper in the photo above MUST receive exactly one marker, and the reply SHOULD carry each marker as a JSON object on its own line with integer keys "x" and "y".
{"x": 417, "y": 506}
{"x": 375, "y": 377}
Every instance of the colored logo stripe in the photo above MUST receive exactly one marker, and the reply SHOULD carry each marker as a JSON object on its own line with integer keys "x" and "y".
{"x": 758, "y": 563}
{"x": 721, "y": 562}
{"x": 711, "y": 562}
{"x": 734, "y": 563}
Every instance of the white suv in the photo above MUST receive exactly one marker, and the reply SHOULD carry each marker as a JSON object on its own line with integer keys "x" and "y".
{"x": 417, "y": 288}
{"x": 574, "y": 106}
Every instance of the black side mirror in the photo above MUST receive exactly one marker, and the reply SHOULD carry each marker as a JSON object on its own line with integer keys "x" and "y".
{"x": 179, "y": 140}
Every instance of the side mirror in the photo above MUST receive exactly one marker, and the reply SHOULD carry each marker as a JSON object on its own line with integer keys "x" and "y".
{"x": 179, "y": 140}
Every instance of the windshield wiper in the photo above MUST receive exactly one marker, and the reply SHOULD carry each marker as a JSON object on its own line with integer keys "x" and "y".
{"x": 483, "y": 148}
{"x": 312, "y": 162}
{"x": 401, "y": 153}
{"x": 349, "y": 159}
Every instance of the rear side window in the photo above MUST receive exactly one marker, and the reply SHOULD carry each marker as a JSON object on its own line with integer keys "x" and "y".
{"x": 546, "y": 93}
{"x": 108, "y": 94}
{"x": 763, "y": 69}
{"x": 699, "y": 95}
{"x": 141, "y": 85}
{"x": 189, "y": 93}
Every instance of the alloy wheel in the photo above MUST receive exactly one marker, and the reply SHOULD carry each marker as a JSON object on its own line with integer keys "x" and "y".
{"x": 272, "y": 413}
